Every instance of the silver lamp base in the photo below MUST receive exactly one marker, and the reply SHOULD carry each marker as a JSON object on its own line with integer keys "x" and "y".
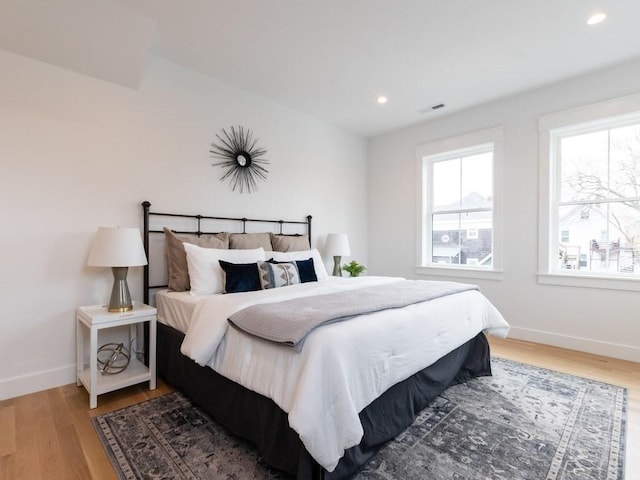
{"x": 337, "y": 271}
{"x": 120, "y": 297}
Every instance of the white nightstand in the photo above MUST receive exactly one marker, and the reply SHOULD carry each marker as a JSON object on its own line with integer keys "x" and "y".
{"x": 95, "y": 318}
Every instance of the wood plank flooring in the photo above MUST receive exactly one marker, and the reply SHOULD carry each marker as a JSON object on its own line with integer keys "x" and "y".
{"x": 49, "y": 434}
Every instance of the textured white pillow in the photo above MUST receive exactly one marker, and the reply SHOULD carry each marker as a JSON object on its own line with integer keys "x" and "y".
{"x": 205, "y": 273}
{"x": 318, "y": 264}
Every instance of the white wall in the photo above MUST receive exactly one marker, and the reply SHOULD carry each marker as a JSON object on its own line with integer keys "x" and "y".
{"x": 595, "y": 320}
{"x": 77, "y": 153}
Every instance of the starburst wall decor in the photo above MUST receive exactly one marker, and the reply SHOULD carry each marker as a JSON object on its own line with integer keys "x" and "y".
{"x": 241, "y": 157}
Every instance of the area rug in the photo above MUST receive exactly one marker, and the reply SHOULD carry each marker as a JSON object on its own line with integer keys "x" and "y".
{"x": 523, "y": 423}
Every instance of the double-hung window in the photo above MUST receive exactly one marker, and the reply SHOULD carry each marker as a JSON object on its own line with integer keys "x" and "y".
{"x": 590, "y": 196}
{"x": 459, "y": 231}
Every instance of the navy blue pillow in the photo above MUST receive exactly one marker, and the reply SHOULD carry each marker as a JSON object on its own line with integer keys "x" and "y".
{"x": 306, "y": 269}
{"x": 240, "y": 277}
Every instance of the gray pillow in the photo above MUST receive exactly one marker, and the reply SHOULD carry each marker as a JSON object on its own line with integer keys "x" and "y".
{"x": 177, "y": 257}
{"x": 244, "y": 241}
{"x": 289, "y": 243}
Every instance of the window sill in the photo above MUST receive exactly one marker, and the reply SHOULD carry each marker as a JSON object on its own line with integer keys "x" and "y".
{"x": 589, "y": 281}
{"x": 460, "y": 272}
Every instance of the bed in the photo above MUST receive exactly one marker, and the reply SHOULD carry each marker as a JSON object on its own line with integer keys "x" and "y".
{"x": 320, "y": 408}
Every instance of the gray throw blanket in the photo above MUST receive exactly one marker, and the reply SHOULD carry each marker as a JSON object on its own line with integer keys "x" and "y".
{"x": 288, "y": 322}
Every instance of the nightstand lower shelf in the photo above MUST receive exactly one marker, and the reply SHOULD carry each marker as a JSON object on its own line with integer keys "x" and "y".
{"x": 135, "y": 373}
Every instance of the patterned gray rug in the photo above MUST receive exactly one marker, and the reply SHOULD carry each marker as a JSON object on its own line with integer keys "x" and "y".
{"x": 524, "y": 423}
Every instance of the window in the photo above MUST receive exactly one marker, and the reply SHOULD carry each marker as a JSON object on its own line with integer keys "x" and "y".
{"x": 459, "y": 204}
{"x": 590, "y": 184}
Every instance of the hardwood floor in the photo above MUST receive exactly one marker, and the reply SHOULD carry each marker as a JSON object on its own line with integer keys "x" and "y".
{"x": 49, "y": 434}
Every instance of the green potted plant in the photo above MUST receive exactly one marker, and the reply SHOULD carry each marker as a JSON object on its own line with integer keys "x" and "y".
{"x": 353, "y": 268}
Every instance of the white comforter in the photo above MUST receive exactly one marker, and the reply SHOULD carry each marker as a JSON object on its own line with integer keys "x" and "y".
{"x": 343, "y": 366}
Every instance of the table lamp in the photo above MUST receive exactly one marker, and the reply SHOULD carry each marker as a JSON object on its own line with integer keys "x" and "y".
{"x": 118, "y": 248}
{"x": 337, "y": 246}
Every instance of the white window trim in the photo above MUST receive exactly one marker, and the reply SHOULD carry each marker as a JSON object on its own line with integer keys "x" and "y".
{"x": 493, "y": 136}
{"x": 597, "y": 114}
{"x": 460, "y": 272}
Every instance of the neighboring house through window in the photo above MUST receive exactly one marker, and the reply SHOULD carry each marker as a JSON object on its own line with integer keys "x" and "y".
{"x": 590, "y": 195}
{"x": 460, "y": 198}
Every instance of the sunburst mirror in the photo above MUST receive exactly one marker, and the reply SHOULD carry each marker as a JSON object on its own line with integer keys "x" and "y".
{"x": 241, "y": 158}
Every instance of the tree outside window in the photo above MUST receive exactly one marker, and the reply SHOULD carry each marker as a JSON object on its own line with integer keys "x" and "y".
{"x": 598, "y": 197}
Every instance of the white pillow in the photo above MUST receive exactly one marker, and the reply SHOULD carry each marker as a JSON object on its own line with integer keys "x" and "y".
{"x": 205, "y": 272}
{"x": 318, "y": 264}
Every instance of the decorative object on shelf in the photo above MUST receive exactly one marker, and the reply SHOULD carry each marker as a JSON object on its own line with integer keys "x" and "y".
{"x": 353, "y": 268}
{"x": 113, "y": 358}
{"x": 118, "y": 248}
{"x": 241, "y": 157}
{"x": 337, "y": 247}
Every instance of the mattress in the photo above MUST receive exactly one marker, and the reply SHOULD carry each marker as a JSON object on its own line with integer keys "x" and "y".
{"x": 175, "y": 309}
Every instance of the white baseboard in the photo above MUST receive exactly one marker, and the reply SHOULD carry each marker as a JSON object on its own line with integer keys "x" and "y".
{"x": 35, "y": 382}
{"x": 615, "y": 350}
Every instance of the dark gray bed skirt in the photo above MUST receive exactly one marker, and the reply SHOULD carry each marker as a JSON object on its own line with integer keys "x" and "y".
{"x": 258, "y": 419}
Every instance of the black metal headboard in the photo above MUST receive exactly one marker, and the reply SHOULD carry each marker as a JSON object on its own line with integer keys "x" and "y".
{"x": 196, "y": 229}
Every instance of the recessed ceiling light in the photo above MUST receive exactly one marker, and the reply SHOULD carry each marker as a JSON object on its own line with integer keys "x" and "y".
{"x": 596, "y": 18}
{"x": 382, "y": 99}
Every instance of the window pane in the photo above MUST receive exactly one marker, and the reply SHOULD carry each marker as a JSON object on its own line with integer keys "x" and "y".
{"x": 607, "y": 240}
{"x": 625, "y": 161}
{"x": 584, "y": 165}
{"x": 476, "y": 238}
{"x": 446, "y": 184}
{"x": 477, "y": 180}
{"x": 463, "y": 239}
{"x": 445, "y": 238}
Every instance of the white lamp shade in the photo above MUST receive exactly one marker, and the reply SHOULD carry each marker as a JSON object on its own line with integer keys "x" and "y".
{"x": 117, "y": 247}
{"x": 338, "y": 245}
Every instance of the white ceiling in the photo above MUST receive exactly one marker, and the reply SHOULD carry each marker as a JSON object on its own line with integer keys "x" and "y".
{"x": 332, "y": 58}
